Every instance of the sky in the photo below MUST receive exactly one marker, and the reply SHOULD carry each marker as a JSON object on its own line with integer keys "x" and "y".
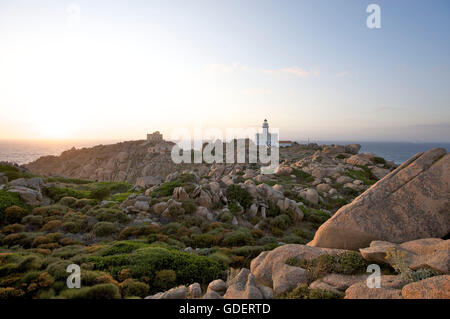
{"x": 117, "y": 70}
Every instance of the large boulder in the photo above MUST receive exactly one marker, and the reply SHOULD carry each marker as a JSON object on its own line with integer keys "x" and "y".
{"x": 180, "y": 292}
{"x": 337, "y": 283}
{"x": 147, "y": 181}
{"x": 179, "y": 193}
{"x": 431, "y": 253}
{"x": 390, "y": 289}
{"x": 353, "y": 148}
{"x": 360, "y": 159}
{"x": 411, "y": 202}
{"x": 437, "y": 287}
{"x": 195, "y": 291}
{"x": 30, "y": 196}
{"x": 270, "y": 268}
{"x": 243, "y": 286}
{"x": 312, "y": 196}
{"x": 218, "y": 286}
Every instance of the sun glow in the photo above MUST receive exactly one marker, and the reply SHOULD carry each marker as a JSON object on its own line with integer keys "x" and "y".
{"x": 54, "y": 127}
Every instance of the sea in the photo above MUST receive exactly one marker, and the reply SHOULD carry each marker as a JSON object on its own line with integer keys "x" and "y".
{"x": 22, "y": 152}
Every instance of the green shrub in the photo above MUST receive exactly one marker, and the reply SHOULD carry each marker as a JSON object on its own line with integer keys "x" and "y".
{"x": 249, "y": 252}
{"x": 51, "y": 210}
{"x": 103, "y": 229}
{"x": 303, "y": 292}
{"x": 58, "y": 179}
{"x": 273, "y": 209}
{"x": 47, "y": 239}
{"x": 347, "y": 191}
{"x": 72, "y": 227}
{"x": 303, "y": 176}
{"x": 315, "y": 216}
{"x": 379, "y": 160}
{"x": 8, "y": 269}
{"x": 397, "y": 258}
{"x": 101, "y": 291}
{"x": 134, "y": 288}
{"x": 100, "y": 193}
{"x": 112, "y": 187}
{"x": 238, "y": 238}
{"x": 58, "y": 268}
{"x": 124, "y": 247}
{"x": 221, "y": 258}
{"x": 110, "y": 215}
{"x": 225, "y": 217}
{"x": 281, "y": 221}
{"x": 336, "y": 203}
{"x": 51, "y": 225}
{"x": 120, "y": 197}
{"x": 189, "y": 206}
{"x": 348, "y": 263}
{"x": 11, "y": 293}
{"x": 171, "y": 228}
{"x": 240, "y": 195}
{"x": 8, "y": 199}
{"x": 144, "y": 263}
{"x": 13, "y": 228}
{"x": 365, "y": 175}
{"x": 84, "y": 202}
{"x": 13, "y": 239}
{"x": 68, "y": 201}
{"x": 217, "y": 205}
{"x": 205, "y": 240}
{"x": 235, "y": 207}
{"x": 294, "y": 239}
{"x": 74, "y": 293}
{"x": 277, "y": 232}
{"x": 13, "y": 172}
{"x": 57, "y": 193}
{"x": 165, "y": 279}
{"x": 136, "y": 231}
{"x": 166, "y": 189}
{"x": 14, "y": 214}
{"x": 304, "y": 234}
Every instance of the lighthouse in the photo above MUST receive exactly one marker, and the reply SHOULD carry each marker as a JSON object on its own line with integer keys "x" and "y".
{"x": 264, "y": 138}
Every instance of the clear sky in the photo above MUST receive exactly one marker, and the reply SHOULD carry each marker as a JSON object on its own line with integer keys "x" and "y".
{"x": 120, "y": 69}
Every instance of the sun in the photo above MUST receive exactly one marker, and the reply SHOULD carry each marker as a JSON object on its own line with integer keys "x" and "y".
{"x": 54, "y": 127}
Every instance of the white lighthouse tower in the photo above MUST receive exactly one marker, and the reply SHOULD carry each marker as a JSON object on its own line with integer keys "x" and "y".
{"x": 264, "y": 138}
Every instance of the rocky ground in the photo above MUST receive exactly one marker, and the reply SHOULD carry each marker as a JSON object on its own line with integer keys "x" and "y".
{"x": 139, "y": 225}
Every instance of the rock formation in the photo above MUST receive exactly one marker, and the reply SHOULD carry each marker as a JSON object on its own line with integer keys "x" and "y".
{"x": 411, "y": 202}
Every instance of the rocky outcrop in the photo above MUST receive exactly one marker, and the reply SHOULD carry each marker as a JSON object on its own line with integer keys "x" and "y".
{"x": 437, "y": 287}
{"x": 30, "y": 190}
{"x": 180, "y": 292}
{"x": 133, "y": 161}
{"x": 219, "y": 286}
{"x": 337, "y": 283}
{"x": 430, "y": 253}
{"x": 270, "y": 268}
{"x": 194, "y": 290}
{"x": 243, "y": 286}
{"x": 390, "y": 289}
{"x": 411, "y": 202}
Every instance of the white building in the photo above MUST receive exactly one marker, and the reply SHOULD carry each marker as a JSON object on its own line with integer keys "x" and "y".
{"x": 266, "y": 138}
